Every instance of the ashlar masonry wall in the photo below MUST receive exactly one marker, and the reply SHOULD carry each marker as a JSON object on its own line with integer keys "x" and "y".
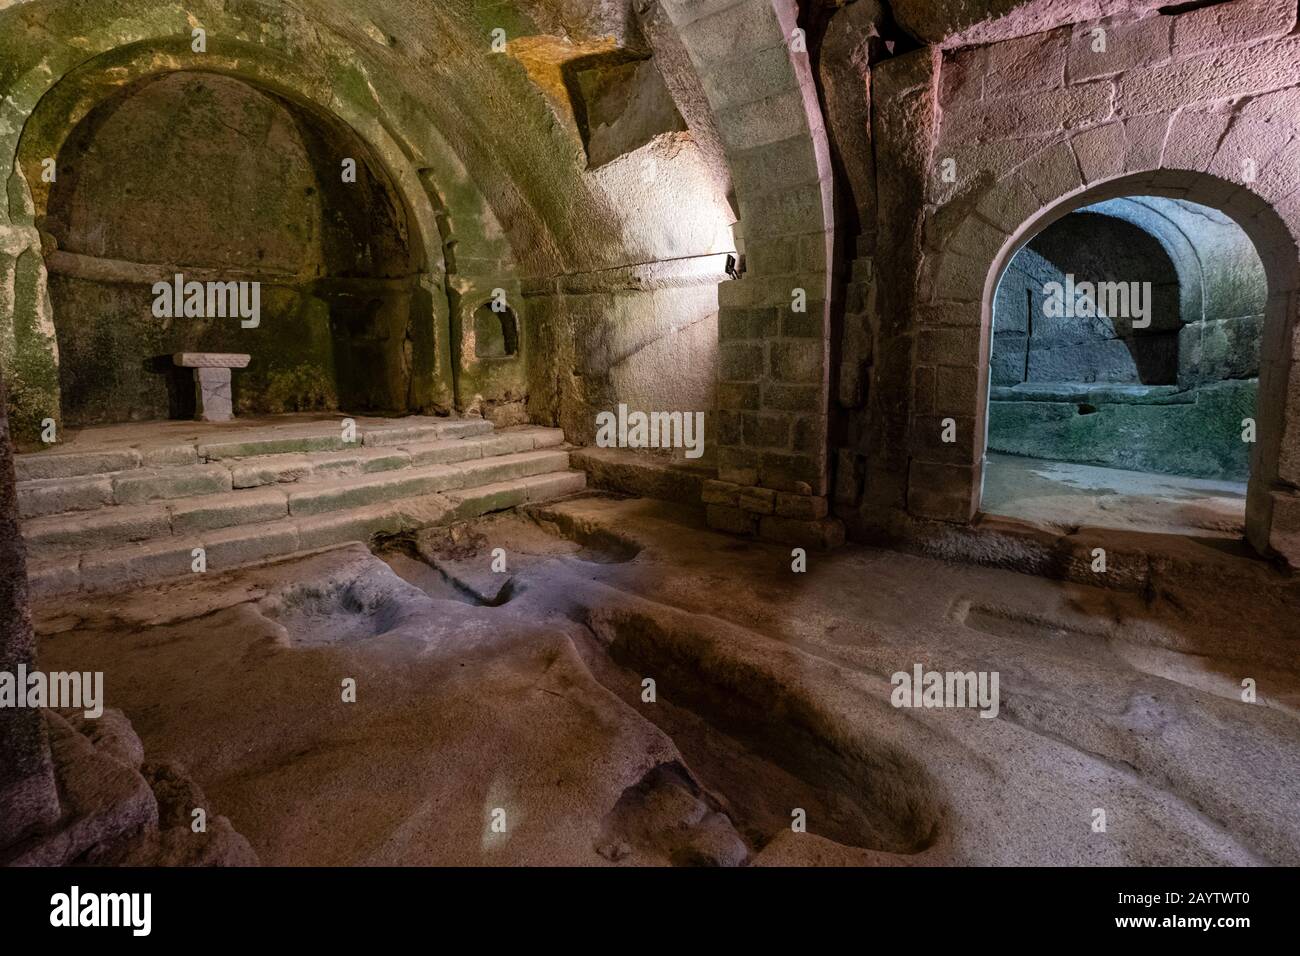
{"x": 774, "y": 321}
{"x": 1201, "y": 105}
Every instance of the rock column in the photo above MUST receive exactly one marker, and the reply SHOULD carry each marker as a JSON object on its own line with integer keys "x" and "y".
{"x": 28, "y": 798}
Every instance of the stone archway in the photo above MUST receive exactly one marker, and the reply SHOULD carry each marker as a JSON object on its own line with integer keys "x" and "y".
{"x": 307, "y": 220}
{"x": 52, "y": 106}
{"x": 773, "y": 373}
{"x": 419, "y": 350}
{"x": 959, "y": 284}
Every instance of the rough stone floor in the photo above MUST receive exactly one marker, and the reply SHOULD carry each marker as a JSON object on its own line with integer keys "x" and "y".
{"x": 1062, "y": 495}
{"x": 522, "y": 691}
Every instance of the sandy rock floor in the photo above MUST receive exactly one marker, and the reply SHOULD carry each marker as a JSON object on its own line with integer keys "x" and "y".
{"x": 1061, "y": 495}
{"x": 517, "y": 698}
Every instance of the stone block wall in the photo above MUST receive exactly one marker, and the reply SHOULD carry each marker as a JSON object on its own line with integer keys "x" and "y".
{"x": 1195, "y": 103}
{"x": 774, "y": 321}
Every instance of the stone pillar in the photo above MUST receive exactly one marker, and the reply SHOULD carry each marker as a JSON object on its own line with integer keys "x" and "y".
{"x": 28, "y": 798}
{"x": 774, "y": 323}
{"x": 213, "y": 400}
{"x": 28, "y": 351}
{"x": 212, "y": 394}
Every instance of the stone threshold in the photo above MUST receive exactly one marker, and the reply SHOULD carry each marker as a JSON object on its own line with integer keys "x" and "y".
{"x": 1094, "y": 394}
{"x": 1143, "y": 562}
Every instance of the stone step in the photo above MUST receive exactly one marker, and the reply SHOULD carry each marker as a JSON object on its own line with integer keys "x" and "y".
{"x": 484, "y": 499}
{"x": 48, "y": 496}
{"x": 281, "y": 469}
{"x": 42, "y": 497}
{"x": 397, "y": 434}
{"x": 371, "y": 489}
{"x": 371, "y": 436}
{"x": 109, "y": 526}
{"x": 273, "y": 469}
{"x": 106, "y": 528}
{"x": 150, "y": 484}
{"x": 275, "y": 445}
{"x": 514, "y": 440}
{"x": 276, "y": 442}
{"x": 102, "y": 570}
{"x": 646, "y": 476}
{"x": 73, "y": 464}
{"x": 226, "y": 444}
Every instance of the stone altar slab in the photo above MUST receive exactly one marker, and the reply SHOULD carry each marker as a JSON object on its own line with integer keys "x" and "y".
{"x": 212, "y": 393}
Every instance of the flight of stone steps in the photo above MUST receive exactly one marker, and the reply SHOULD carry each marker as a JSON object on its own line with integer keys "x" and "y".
{"x": 114, "y": 517}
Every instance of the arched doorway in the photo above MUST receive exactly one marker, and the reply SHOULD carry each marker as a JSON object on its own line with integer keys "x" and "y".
{"x": 959, "y": 286}
{"x": 1273, "y": 478}
{"x": 1124, "y": 368}
{"x": 207, "y": 176}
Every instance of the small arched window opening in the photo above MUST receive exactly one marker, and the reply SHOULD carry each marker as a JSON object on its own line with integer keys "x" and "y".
{"x": 496, "y": 334}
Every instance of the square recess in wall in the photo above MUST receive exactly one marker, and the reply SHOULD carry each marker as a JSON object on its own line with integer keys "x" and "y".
{"x": 620, "y": 105}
